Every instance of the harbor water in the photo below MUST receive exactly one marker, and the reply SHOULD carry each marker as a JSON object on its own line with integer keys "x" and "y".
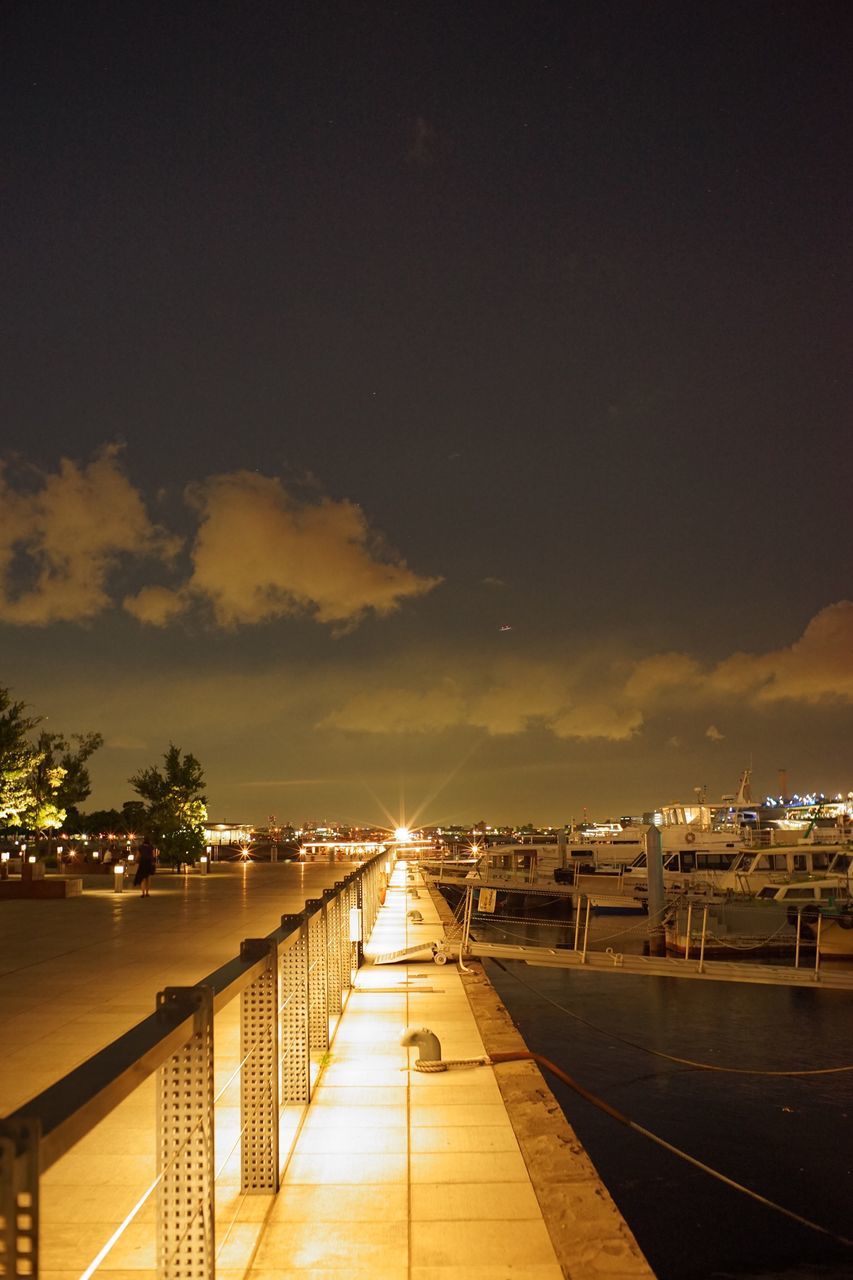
{"x": 788, "y": 1138}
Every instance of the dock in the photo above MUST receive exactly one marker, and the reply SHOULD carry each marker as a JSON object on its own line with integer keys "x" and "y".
{"x": 380, "y": 1170}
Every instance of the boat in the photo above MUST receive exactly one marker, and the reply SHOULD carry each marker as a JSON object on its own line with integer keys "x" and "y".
{"x": 781, "y": 920}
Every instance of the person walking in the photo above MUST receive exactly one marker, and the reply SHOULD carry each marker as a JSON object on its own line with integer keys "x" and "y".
{"x": 145, "y": 866}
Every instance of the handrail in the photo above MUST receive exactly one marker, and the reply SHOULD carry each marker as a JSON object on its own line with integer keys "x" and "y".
{"x": 68, "y": 1109}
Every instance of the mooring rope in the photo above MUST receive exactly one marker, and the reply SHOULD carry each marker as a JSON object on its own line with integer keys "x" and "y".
{"x": 496, "y": 1059}
{"x": 659, "y": 1053}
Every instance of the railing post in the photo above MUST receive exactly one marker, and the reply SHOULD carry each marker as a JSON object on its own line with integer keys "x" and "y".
{"x": 586, "y": 929}
{"x": 318, "y": 976}
{"x": 360, "y": 907}
{"x": 19, "y": 1198}
{"x": 295, "y": 1012}
{"x": 350, "y": 905}
{"x": 185, "y": 1205}
{"x": 259, "y": 1073}
{"x": 701, "y": 968}
{"x": 332, "y": 901}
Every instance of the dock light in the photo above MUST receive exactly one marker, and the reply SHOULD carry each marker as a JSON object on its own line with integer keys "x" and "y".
{"x": 4, "y": 857}
{"x": 355, "y": 926}
{"x": 118, "y": 877}
{"x": 204, "y": 865}
{"x": 96, "y": 855}
{"x": 31, "y": 858}
{"x": 402, "y": 835}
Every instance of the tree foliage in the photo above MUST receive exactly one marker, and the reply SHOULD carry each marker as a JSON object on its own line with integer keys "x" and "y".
{"x": 175, "y": 805}
{"x": 41, "y": 780}
{"x": 59, "y": 779}
{"x": 17, "y": 759}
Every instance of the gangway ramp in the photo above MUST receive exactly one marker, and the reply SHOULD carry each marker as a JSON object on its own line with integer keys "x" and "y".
{"x": 610, "y": 961}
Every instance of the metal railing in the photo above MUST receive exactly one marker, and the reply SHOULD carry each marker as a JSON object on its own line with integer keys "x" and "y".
{"x": 293, "y": 985}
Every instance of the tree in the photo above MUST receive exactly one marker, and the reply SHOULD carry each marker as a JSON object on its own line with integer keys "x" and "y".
{"x": 59, "y": 779}
{"x": 175, "y": 805}
{"x": 18, "y": 758}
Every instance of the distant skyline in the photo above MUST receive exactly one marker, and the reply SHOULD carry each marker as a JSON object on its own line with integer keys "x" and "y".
{"x": 436, "y": 412}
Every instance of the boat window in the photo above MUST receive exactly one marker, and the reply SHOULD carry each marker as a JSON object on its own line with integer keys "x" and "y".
{"x": 820, "y": 861}
{"x": 771, "y": 862}
{"x": 800, "y": 862}
{"x": 800, "y": 891}
{"x": 688, "y": 861}
{"x": 717, "y": 861}
{"x": 827, "y": 893}
{"x": 768, "y": 892}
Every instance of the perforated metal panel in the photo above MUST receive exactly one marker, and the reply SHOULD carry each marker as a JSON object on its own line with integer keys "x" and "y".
{"x": 351, "y": 946}
{"x": 318, "y": 978}
{"x": 185, "y": 1208}
{"x": 259, "y": 1074}
{"x": 19, "y": 1200}
{"x": 295, "y": 1055}
{"x": 333, "y": 943}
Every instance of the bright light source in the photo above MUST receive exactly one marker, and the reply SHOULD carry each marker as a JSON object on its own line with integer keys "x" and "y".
{"x": 402, "y": 835}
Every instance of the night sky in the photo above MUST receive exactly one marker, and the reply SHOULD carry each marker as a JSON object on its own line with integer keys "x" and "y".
{"x": 444, "y": 405}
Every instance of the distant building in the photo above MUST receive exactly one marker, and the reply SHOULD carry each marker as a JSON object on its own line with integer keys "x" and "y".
{"x": 218, "y": 834}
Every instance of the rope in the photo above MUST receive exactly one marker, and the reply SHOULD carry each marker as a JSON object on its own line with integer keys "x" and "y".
{"x": 495, "y": 1059}
{"x": 431, "y": 1067}
{"x": 658, "y": 1053}
{"x": 592, "y": 1098}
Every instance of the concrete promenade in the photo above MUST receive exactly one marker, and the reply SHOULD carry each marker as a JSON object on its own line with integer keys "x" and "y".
{"x": 391, "y": 1174}
{"x": 76, "y": 973}
{"x": 401, "y": 1175}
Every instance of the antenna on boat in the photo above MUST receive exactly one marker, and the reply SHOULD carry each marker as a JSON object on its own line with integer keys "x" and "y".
{"x": 744, "y": 791}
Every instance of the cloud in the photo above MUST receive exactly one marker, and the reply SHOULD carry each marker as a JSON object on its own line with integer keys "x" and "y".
{"x": 397, "y": 709}
{"x": 63, "y": 534}
{"x": 817, "y": 667}
{"x": 605, "y": 698}
{"x": 512, "y": 697}
{"x": 261, "y": 553}
{"x": 156, "y": 605}
{"x": 660, "y": 674}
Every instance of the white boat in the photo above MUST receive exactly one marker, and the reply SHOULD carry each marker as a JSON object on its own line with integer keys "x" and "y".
{"x": 756, "y": 869}
{"x": 782, "y": 919}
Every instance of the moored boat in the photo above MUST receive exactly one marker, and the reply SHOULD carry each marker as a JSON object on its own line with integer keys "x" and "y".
{"x": 781, "y": 920}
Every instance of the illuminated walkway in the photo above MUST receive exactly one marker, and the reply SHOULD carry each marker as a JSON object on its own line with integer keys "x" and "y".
{"x": 390, "y": 1174}
{"x": 399, "y": 1175}
{"x": 76, "y": 973}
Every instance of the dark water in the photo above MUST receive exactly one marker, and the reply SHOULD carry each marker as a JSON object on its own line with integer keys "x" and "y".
{"x": 790, "y": 1139}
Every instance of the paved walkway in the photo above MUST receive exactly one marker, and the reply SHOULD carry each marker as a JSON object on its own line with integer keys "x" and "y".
{"x": 393, "y": 1174}
{"x": 77, "y": 972}
{"x": 398, "y": 1175}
